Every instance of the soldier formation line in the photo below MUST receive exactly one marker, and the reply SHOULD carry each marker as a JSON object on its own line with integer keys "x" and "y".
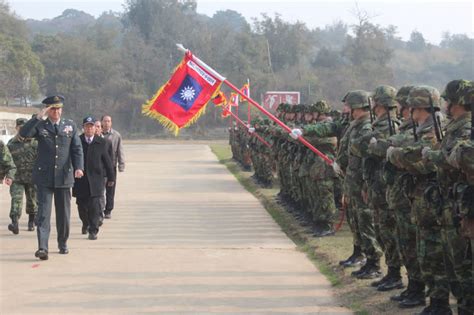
{"x": 404, "y": 174}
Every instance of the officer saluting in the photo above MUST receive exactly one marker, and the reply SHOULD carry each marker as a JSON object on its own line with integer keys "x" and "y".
{"x": 60, "y": 159}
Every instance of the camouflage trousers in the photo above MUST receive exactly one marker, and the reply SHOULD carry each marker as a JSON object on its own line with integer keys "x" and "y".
{"x": 468, "y": 276}
{"x": 324, "y": 206}
{"x": 16, "y": 192}
{"x": 385, "y": 227}
{"x": 364, "y": 218}
{"x": 406, "y": 232}
{"x": 351, "y": 217}
{"x": 267, "y": 173}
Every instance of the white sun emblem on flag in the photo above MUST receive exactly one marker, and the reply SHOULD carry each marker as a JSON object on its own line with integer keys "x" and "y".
{"x": 187, "y": 93}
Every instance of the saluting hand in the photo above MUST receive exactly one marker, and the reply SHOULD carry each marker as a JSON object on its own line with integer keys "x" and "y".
{"x": 78, "y": 173}
{"x": 43, "y": 113}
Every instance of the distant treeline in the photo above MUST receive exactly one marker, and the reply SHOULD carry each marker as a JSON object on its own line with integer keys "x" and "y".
{"x": 114, "y": 63}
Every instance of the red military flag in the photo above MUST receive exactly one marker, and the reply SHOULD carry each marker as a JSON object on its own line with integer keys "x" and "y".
{"x": 234, "y": 99}
{"x": 220, "y": 99}
{"x": 245, "y": 90}
{"x": 183, "y": 99}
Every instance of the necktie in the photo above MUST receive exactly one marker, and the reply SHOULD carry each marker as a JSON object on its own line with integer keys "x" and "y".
{"x": 89, "y": 140}
{"x": 56, "y": 128}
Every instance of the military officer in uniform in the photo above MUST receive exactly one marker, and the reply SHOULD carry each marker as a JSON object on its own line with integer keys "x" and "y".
{"x": 23, "y": 151}
{"x": 60, "y": 159}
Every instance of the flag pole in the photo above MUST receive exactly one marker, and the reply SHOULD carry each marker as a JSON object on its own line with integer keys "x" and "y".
{"x": 248, "y": 105}
{"x": 258, "y": 106}
{"x": 247, "y": 126}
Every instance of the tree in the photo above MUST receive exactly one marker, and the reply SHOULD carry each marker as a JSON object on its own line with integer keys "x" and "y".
{"x": 417, "y": 41}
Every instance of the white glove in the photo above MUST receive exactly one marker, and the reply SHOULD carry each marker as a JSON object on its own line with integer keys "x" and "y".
{"x": 424, "y": 152}
{"x": 296, "y": 133}
{"x": 373, "y": 140}
{"x": 389, "y": 153}
{"x": 236, "y": 128}
{"x": 337, "y": 168}
{"x": 251, "y": 130}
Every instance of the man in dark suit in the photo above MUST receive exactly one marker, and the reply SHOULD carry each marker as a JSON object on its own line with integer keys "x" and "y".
{"x": 89, "y": 188}
{"x": 59, "y": 160}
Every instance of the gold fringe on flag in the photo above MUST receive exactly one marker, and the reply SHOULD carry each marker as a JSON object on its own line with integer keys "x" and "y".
{"x": 165, "y": 121}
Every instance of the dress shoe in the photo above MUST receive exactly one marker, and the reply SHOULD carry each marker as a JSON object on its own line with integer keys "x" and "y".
{"x": 84, "y": 230}
{"x": 64, "y": 251}
{"x": 13, "y": 227}
{"x": 42, "y": 254}
{"x": 31, "y": 222}
{"x": 107, "y": 215}
{"x": 92, "y": 236}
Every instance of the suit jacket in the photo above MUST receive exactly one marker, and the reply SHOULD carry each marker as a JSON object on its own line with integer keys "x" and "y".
{"x": 98, "y": 165}
{"x": 59, "y": 155}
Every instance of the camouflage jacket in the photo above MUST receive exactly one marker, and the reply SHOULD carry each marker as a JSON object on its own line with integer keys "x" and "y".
{"x": 393, "y": 175}
{"x": 24, "y": 153}
{"x": 409, "y": 157}
{"x": 322, "y": 135}
{"x": 455, "y": 132}
{"x": 356, "y": 149}
{"x": 7, "y": 167}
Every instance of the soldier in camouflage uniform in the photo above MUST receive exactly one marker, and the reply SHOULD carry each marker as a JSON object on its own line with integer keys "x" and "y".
{"x": 23, "y": 151}
{"x": 441, "y": 195}
{"x": 398, "y": 202}
{"x": 385, "y": 125}
{"x": 265, "y": 151}
{"x": 462, "y": 158}
{"x": 354, "y": 185}
{"x": 7, "y": 167}
{"x": 322, "y": 176}
{"x": 430, "y": 246}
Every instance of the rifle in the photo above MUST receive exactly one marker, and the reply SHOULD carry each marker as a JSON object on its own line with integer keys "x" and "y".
{"x": 391, "y": 128}
{"x": 436, "y": 121}
{"x": 370, "y": 110}
{"x": 472, "y": 121}
{"x": 414, "y": 126}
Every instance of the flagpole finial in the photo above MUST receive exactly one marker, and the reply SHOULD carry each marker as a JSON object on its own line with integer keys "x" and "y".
{"x": 181, "y": 48}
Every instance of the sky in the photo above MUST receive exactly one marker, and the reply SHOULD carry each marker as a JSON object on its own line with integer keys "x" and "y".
{"x": 431, "y": 18}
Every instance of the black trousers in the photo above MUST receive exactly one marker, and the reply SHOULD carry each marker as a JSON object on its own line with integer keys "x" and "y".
{"x": 62, "y": 206}
{"x": 89, "y": 213}
{"x": 110, "y": 195}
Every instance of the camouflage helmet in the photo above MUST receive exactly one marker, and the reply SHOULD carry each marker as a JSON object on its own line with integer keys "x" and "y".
{"x": 402, "y": 95}
{"x": 419, "y": 97}
{"x": 457, "y": 92}
{"x": 20, "y": 121}
{"x": 384, "y": 95}
{"x": 300, "y": 108}
{"x": 344, "y": 97}
{"x": 357, "y": 99}
{"x": 280, "y": 107}
{"x": 322, "y": 107}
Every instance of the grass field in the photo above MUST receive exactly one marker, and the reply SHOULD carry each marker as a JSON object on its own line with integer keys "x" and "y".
{"x": 324, "y": 252}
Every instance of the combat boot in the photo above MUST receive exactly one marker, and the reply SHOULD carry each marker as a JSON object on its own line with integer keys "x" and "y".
{"x": 393, "y": 280}
{"x": 372, "y": 270}
{"x": 360, "y": 271}
{"x": 13, "y": 227}
{"x": 405, "y": 293}
{"x": 31, "y": 222}
{"x": 415, "y": 296}
{"x": 440, "y": 307}
{"x": 355, "y": 259}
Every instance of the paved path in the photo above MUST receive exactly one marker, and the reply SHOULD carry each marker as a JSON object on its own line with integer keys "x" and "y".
{"x": 185, "y": 238}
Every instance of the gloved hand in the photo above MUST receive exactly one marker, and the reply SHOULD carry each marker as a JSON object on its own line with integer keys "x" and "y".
{"x": 389, "y": 153}
{"x": 251, "y": 130}
{"x": 424, "y": 152}
{"x": 296, "y": 133}
{"x": 373, "y": 140}
{"x": 337, "y": 169}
